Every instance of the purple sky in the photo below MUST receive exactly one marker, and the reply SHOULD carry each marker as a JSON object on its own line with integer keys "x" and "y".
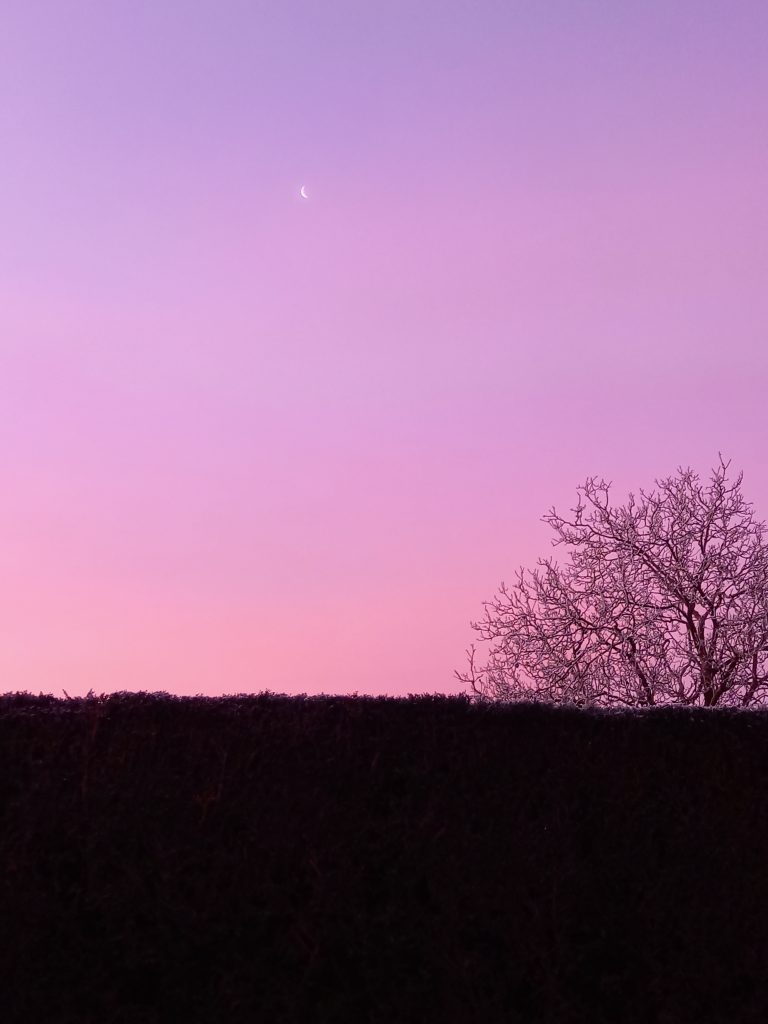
{"x": 249, "y": 441}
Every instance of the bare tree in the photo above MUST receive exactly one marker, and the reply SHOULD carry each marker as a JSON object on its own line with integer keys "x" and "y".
{"x": 664, "y": 602}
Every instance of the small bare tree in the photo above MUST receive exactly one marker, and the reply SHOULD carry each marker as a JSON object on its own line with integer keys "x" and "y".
{"x": 664, "y": 602}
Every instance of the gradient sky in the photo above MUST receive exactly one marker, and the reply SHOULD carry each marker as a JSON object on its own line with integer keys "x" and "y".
{"x": 253, "y": 442}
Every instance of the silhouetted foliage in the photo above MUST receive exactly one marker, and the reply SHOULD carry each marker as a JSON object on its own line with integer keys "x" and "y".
{"x": 664, "y": 602}
{"x": 259, "y": 857}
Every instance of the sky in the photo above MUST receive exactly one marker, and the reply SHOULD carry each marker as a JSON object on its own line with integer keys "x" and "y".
{"x": 254, "y": 442}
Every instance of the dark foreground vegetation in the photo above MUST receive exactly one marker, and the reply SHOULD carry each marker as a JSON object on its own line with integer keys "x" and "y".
{"x": 280, "y": 859}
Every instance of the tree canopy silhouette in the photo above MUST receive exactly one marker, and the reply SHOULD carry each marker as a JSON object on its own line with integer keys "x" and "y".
{"x": 665, "y": 602}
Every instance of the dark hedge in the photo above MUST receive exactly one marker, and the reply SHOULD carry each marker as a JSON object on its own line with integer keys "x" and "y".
{"x": 327, "y": 859}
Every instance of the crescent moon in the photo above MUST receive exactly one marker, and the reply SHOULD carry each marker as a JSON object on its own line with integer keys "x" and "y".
{"x": 303, "y": 192}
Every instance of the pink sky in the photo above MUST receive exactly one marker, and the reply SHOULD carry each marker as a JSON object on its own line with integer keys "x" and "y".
{"x": 253, "y": 442}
